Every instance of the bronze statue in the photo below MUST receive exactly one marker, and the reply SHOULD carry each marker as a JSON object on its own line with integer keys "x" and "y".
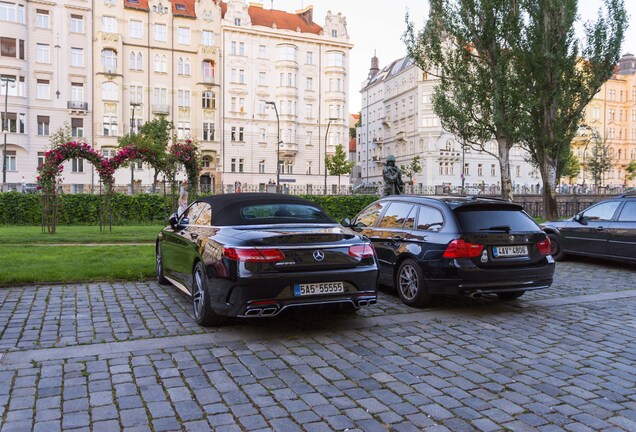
{"x": 393, "y": 184}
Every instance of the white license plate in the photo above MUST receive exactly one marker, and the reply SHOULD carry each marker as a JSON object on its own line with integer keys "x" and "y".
{"x": 510, "y": 251}
{"x": 318, "y": 288}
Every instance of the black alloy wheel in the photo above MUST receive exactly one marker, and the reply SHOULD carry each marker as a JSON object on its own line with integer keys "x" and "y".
{"x": 411, "y": 285}
{"x": 203, "y": 313}
{"x": 161, "y": 279}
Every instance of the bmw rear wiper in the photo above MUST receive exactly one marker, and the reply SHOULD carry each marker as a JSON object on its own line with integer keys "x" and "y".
{"x": 505, "y": 228}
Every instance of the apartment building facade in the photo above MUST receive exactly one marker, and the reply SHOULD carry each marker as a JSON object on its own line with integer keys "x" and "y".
{"x": 610, "y": 118}
{"x": 285, "y": 95}
{"x": 398, "y": 119}
{"x": 45, "y": 83}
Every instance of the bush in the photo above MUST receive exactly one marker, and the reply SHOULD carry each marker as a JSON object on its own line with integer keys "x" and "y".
{"x": 139, "y": 209}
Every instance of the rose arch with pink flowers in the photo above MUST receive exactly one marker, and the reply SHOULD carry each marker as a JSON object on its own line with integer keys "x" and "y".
{"x": 51, "y": 169}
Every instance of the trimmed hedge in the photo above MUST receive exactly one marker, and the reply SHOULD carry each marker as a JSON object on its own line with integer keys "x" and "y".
{"x": 139, "y": 209}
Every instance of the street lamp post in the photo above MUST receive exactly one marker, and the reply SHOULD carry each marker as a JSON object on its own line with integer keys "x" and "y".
{"x": 5, "y": 128}
{"x": 277, "y": 144}
{"x": 326, "y": 135}
{"x": 133, "y": 105}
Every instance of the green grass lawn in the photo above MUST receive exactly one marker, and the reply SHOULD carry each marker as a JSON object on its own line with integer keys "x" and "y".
{"x": 55, "y": 264}
{"x": 13, "y": 235}
{"x": 29, "y": 256}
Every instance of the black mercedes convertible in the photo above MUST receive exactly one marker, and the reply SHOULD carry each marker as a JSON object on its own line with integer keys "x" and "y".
{"x": 256, "y": 254}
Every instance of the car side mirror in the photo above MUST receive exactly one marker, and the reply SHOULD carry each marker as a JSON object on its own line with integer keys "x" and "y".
{"x": 346, "y": 222}
{"x": 580, "y": 218}
{"x": 173, "y": 221}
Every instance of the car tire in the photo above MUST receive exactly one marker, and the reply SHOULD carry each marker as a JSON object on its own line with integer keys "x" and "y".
{"x": 161, "y": 279}
{"x": 557, "y": 247}
{"x": 201, "y": 306}
{"x": 411, "y": 286}
{"x": 510, "y": 295}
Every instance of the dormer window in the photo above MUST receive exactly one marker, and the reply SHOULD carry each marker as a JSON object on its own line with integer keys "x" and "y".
{"x": 133, "y": 1}
{"x": 237, "y": 22}
{"x": 180, "y": 7}
{"x": 334, "y": 33}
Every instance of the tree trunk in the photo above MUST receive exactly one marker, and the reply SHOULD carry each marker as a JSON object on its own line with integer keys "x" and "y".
{"x": 504, "y": 165}
{"x": 548, "y": 176}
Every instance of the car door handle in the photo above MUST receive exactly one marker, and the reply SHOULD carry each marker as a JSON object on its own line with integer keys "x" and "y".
{"x": 395, "y": 238}
{"x": 600, "y": 228}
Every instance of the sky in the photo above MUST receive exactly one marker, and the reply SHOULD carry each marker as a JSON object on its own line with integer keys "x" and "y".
{"x": 376, "y": 26}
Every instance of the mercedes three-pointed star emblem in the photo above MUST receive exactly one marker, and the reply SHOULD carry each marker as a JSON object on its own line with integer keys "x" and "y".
{"x": 319, "y": 255}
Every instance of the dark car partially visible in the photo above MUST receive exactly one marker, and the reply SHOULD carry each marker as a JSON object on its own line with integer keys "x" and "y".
{"x": 605, "y": 230}
{"x": 456, "y": 245}
{"x": 256, "y": 254}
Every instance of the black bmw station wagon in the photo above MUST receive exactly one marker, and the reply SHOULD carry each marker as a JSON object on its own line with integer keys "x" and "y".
{"x": 456, "y": 245}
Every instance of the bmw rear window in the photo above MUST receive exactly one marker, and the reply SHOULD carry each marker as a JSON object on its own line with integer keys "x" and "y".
{"x": 483, "y": 219}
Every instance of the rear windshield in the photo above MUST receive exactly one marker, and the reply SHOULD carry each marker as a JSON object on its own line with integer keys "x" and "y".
{"x": 497, "y": 219}
{"x": 283, "y": 213}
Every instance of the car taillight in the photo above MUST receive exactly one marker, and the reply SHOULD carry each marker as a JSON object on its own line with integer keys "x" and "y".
{"x": 545, "y": 247}
{"x": 461, "y": 249}
{"x": 254, "y": 254}
{"x": 361, "y": 251}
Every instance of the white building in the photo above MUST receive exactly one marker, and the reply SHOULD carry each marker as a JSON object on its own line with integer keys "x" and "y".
{"x": 45, "y": 64}
{"x": 284, "y": 68}
{"x": 397, "y": 118}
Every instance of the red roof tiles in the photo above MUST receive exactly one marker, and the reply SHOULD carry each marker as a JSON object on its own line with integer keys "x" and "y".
{"x": 282, "y": 20}
{"x": 184, "y": 8}
{"x": 139, "y": 4}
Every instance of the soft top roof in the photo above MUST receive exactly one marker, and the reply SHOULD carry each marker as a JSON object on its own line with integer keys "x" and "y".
{"x": 226, "y": 208}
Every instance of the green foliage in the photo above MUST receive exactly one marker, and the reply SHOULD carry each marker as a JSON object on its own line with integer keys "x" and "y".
{"x": 466, "y": 44}
{"x": 413, "y": 168}
{"x": 342, "y": 206}
{"x": 84, "y": 209}
{"x": 23, "y": 235}
{"x": 600, "y": 160}
{"x": 630, "y": 171}
{"x": 572, "y": 167}
{"x": 339, "y": 163}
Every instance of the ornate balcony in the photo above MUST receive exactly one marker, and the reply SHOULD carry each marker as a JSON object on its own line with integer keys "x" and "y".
{"x": 77, "y": 106}
{"x": 161, "y": 109}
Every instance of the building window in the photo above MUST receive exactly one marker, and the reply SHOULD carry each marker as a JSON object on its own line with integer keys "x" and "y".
{"x": 109, "y": 60}
{"x": 183, "y": 66}
{"x": 183, "y": 98}
{"x": 262, "y": 51}
{"x": 41, "y": 158}
{"x": 466, "y": 169}
{"x": 237, "y": 22}
{"x": 261, "y": 135}
{"x": 287, "y": 52}
{"x": 77, "y": 165}
{"x": 335, "y": 58}
{"x": 262, "y": 78}
{"x": 77, "y": 57}
{"x": 208, "y": 99}
{"x": 160, "y": 96}
{"x": 42, "y": 18}
{"x": 518, "y": 170}
{"x": 206, "y": 162}
{"x": 161, "y": 32}
{"x": 136, "y": 61}
{"x": 480, "y": 170}
{"x": 236, "y": 134}
{"x": 184, "y": 36}
{"x": 207, "y": 70}
{"x": 109, "y": 91}
{"x": 109, "y": 24}
{"x": 493, "y": 170}
{"x": 42, "y": 53}
{"x": 77, "y": 92}
{"x": 43, "y": 90}
{"x": 161, "y": 63}
{"x": 207, "y": 38}
{"x": 11, "y": 12}
{"x": 10, "y": 160}
{"x": 183, "y": 129}
{"x": 309, "y": 83}
{"x": 310, "y": 57}
{"x": 208, "y": 131}
{"x": 77, "y": 127}
{"x": 43, "y": 125}
{"x": 308, "y": 167}
{"x": 136, "y": 29}
{"x": 261, "y": 166}
{"x": 309, "y": 111}
{"x": 136, "y": 94}
{"x": 109, "y": 125}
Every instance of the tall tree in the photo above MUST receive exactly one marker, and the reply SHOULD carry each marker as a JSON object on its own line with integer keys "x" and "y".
{"x": 413, "y": 168}
{"x": 630, "y": 172}
{"x": 338, "y": 164}
{"x": 572, "y": 167}
{"x": 561, "y": 79}
{"x": 600, "y": 160}
{"x": 467, "y": 44}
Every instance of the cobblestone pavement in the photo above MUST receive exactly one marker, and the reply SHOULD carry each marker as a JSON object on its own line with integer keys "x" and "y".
{"x": 106, "y": 357}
